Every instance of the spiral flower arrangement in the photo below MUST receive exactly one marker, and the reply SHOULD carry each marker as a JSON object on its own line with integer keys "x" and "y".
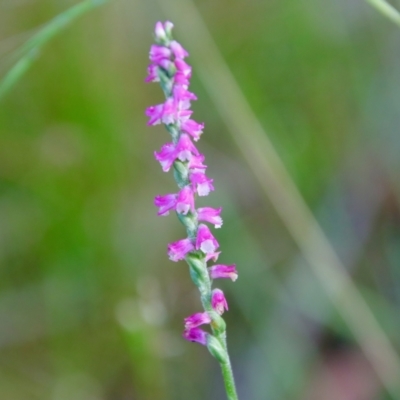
{"x": 169, "y": 68}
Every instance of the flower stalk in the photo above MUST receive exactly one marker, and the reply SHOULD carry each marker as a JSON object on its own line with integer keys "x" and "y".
{"x": 169, "y": 68}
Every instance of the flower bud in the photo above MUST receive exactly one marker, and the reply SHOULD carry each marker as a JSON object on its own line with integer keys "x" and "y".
{"x": 160, "y": 34}
{"x": 168, "y": 28}
{"x": 163, "y": 32}
{"x": 216, "y": 349}
{"x": 218, "y": 301}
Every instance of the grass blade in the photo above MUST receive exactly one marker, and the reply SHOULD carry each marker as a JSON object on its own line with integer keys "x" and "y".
{"x": 29, "y": 51}
{"x": 387, "y": 10}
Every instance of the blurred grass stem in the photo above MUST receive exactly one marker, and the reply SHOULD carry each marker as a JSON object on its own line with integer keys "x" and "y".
{"x": 30, "y": 50}
{"x": 387, "y": 10}
{"x": 277, "y": 184}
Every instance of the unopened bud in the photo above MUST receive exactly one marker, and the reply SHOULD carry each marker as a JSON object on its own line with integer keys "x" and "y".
{"x": 218, "y": 301}
{"x": 216, "y": 349}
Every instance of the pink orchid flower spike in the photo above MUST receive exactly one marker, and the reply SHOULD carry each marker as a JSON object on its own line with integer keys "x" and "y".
{"x": 168, "y": 67}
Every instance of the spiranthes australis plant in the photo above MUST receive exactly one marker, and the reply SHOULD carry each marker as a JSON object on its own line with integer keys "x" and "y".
{"x": 169, "y": 68}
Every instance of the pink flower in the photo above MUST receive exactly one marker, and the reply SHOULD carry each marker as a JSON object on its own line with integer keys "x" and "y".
{"x": 178, "y": 250}
{"x": 196, "y": 335}
{"x": 152, "y": 75}
{"x": 175, "y": 111}
{"x": 184, "y": 114}
{"x": 181, "y": 79}
{"x": 224, "y": 271}
{"x": 168, "y": 65}
{"x": 193, "y": 128}
{"x": 185, "y": 149}
{"x": 205, "y": 241}
{"x": 155, "y": 113}
{"x": 201, "y": 183}
{"x": 196, "y": 320}
{"x": 170, "y": 111}
{"x": 211, "y": 215}
{"x": 185, "y": 202}
{"x": 158, "y": 53}
{"x": 218, "y": 301}
{"x": 213, "y": 256}
{"x": 178, "y": 50}
{"x": 180, "y": 93}
{"x": 183, "y": 68}
{"x": 196, "y": 162}
{"x": 166, "y": 156}
{"x": 165, "y": 203}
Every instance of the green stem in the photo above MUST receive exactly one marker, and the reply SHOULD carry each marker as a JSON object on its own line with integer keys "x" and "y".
{"x": 226, "y": 367}
{"x": 205, "y": 288}
{"x": 30, "y": 49}
{"x": 227, "y": 373}
{"x": 387, "y": 10}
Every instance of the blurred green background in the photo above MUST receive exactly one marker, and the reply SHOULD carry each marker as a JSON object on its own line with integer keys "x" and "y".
{"x": 90, "y": 306}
